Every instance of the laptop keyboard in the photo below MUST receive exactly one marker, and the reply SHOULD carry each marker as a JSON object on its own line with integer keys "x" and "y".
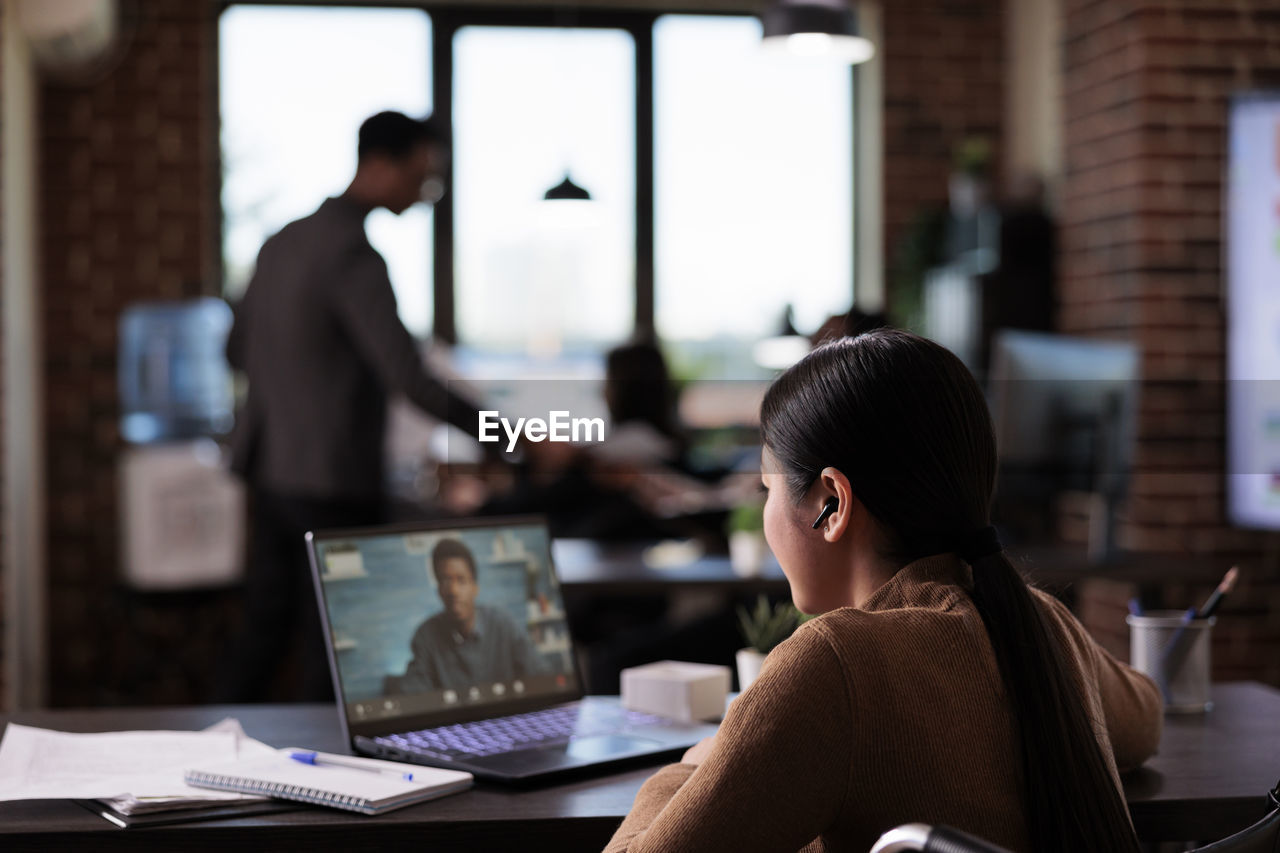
{"x": 521, "y": 731}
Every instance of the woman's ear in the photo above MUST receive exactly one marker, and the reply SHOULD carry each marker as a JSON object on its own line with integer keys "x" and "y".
{"x": 833, "y": 491}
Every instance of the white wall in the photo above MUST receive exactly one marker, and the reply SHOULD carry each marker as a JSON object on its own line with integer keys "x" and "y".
{"x": 25, "y": 652}
{"x": 1033, "y": 85}
{"x": 869, "y": 179}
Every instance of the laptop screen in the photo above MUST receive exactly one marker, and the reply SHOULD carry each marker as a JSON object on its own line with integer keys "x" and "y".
{"x": 437, "y": 619}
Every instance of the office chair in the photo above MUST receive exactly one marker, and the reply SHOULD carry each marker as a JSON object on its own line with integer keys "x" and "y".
{"x": 932, "y": 839}
{"x": 1262, "y": 837}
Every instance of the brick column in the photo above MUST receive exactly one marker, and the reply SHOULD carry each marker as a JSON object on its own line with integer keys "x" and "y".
{"x": 128, "y": 200}
{"x": 1146, "y": 89}
{"x": 943, "y": 83}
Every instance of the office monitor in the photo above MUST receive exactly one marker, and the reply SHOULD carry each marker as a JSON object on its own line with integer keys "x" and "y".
{"x": 1065, "y": 412}
{"x": 1252, "y": 259}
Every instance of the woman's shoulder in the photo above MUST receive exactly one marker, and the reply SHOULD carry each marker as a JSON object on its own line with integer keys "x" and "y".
{"x": 1059, "y": 615}
{"x": 836, "y": 638}
{"x": 1065, "y": 624}
{"x": 892, "y": 621}
{"x": 805, "y": 671}
{"x": 867, "y": 642}
{"x": 809, "y": 656}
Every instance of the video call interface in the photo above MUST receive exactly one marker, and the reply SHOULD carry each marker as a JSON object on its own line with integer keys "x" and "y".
{"x": 427, "y": 621}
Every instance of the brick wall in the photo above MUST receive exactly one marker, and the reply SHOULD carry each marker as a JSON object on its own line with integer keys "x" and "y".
{"x": 1146, "y": 92}
{"x": 943, "y": 83}
{"x": 127, "y": 193}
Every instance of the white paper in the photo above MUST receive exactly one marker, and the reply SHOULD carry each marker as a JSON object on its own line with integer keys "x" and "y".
{"x": 182, "y": 520}
{"x": 131, "y": 768}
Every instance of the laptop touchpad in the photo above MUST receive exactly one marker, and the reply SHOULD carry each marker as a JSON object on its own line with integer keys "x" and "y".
{"x": 597, "y": 747}
{"x": 579, "y": 751}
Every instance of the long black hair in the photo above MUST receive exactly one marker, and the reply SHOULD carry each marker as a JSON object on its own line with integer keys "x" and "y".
{"x": 905, "y": 421}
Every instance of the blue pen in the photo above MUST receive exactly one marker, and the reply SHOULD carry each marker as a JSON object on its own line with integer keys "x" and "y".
{"x": 1171, "y": 657}
{"x": 1175, "y": 652}
{"x": 1135, "y": 607}
{"x": 333, "y": 761}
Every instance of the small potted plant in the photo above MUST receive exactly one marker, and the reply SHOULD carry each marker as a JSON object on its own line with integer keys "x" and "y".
{"x": 763, "y": 627}
{"x": 746, "y": 540}
{"x": 968, "y": 185}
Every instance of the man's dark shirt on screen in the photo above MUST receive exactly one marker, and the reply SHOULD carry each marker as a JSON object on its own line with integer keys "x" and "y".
{"x": 498, "y": 650}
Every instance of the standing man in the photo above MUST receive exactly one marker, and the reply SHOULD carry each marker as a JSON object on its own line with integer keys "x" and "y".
{"x": 318, "y": 336}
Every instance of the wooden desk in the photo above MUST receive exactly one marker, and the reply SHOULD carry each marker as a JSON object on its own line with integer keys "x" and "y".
{"x": 1212, "y": 771}
{"x": 1207, "y": 781}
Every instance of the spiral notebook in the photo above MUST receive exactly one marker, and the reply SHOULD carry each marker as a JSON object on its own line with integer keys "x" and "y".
{"x": 365, "y": 785}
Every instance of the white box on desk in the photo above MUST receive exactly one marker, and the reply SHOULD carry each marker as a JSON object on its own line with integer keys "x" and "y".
{"x": 675, "y": 689}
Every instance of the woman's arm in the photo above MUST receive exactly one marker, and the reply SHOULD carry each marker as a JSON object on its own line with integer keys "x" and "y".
{"x": 1131, "y": 704}
{"x": 777, "y": 774}
{"x": 1133, "y": 708}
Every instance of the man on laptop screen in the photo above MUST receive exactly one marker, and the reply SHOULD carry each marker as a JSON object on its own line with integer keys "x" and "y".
{"x": 487, "y": 682}
{"x": 466, "y": 643}
{"x": 499, "y": 636}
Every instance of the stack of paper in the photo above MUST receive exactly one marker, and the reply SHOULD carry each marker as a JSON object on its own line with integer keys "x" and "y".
{"x": 132, "y": 773}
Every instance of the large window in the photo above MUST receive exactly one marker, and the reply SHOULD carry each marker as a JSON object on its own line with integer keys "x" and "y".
{"x": 531, "y": 105}
{"x": 753, "y": 188}
{"x": 295, "y": 83}
{"x": 721, "y": 178}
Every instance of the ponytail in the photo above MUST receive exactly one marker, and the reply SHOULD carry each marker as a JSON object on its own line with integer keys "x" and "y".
{"x": 1071, "y": 799}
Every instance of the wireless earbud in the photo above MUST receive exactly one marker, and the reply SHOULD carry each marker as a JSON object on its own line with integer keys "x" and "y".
{"x": 832, "y": 504}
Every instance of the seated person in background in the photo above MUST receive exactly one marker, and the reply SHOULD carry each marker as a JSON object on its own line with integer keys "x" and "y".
{"x": 614, "y": 490}
{"x": 465, "y": 644}
{"x": 608, "y": 490}
{"x": 935, "y": 687}
{"x": 643, "y": 427}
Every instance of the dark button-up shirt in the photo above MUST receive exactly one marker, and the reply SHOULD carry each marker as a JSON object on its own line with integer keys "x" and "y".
{"x": 496, "y": 651}
{"x": 319, "y": 338}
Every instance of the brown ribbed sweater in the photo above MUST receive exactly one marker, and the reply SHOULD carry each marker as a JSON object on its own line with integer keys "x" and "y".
{"x": 873, "y": 717}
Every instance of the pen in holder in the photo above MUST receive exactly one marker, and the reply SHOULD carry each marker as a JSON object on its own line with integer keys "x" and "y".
{"x": 1174, "y": 650}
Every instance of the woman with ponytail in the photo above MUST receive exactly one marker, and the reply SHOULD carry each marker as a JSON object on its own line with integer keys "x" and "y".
{"x": 936, "y": 686}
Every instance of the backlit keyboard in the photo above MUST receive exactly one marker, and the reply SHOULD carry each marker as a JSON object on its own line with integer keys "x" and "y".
{"x": 520, "y": 731}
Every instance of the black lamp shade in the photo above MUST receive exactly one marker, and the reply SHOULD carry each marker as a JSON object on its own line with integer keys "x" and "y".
{"x": 785, "y": 18}
{"x": 567, "y": 190}
{"x": 816, "y": 28}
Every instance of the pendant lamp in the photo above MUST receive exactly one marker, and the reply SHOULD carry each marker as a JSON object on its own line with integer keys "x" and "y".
{"x": 567, "y": 190}
{"x": 816, "y": 28}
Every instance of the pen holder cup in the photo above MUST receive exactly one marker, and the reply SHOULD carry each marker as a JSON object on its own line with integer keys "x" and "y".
{"x": 1175, "y": 653}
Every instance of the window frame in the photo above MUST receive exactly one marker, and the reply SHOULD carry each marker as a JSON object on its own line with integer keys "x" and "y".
{"x": 447, "y": 20}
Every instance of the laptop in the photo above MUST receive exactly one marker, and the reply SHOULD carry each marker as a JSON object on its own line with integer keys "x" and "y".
{"x": 449, "y": 646}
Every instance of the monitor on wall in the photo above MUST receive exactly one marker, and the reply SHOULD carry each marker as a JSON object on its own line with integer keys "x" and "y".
{"x": 1065, "y": 415}
{"x": 1251, "y": 232}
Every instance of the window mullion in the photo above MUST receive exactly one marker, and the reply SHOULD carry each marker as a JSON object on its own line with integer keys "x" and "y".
{"x": 644, "y": 318}
{"x": 444, "y": 321}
